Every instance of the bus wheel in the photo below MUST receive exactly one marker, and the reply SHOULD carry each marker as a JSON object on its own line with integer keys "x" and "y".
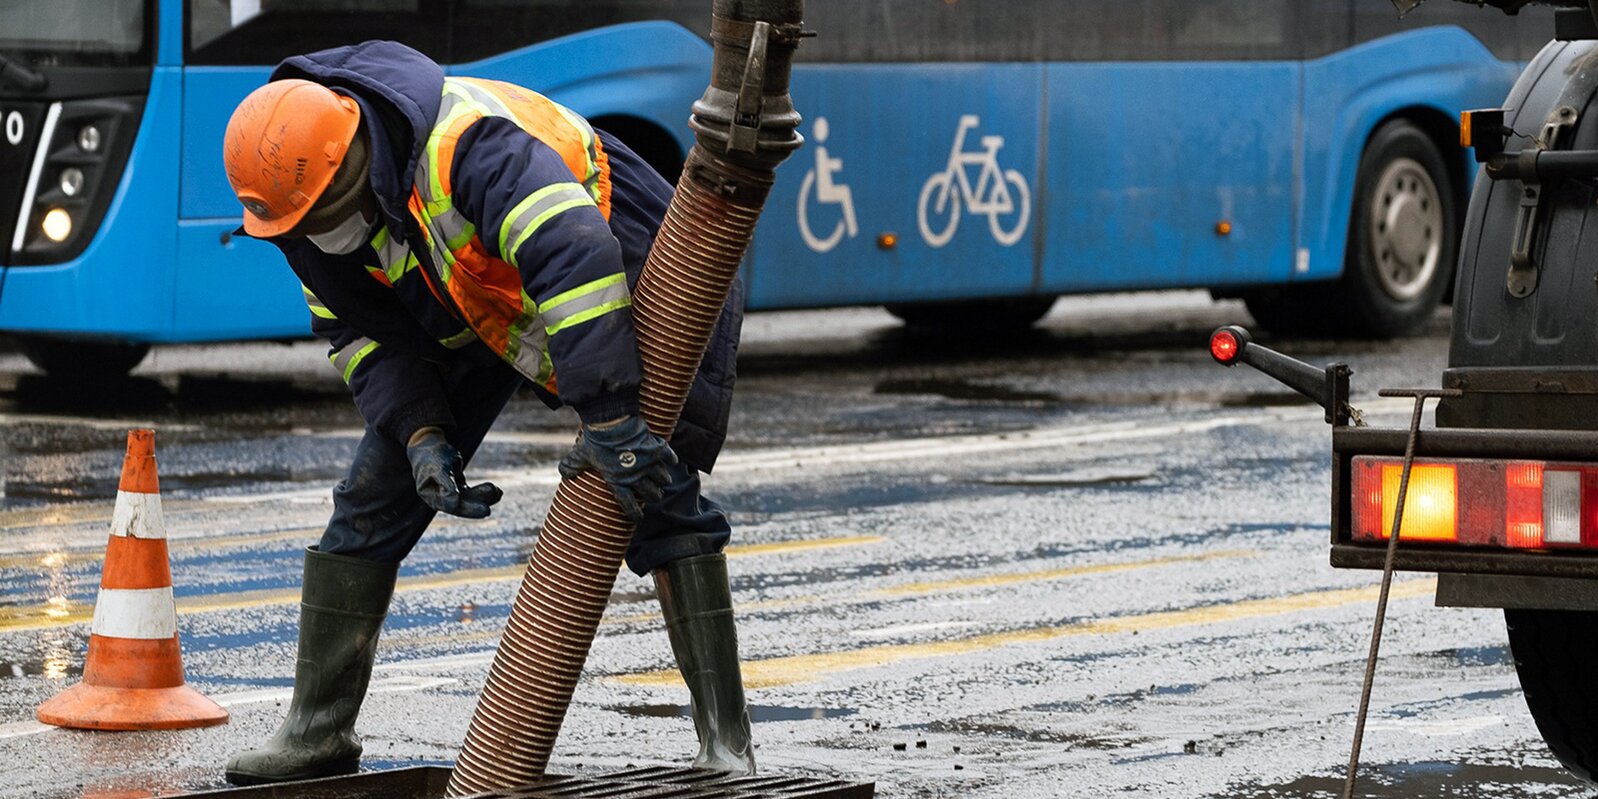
{"x": 83, "y": 361}
{"x": 1554, "y": 651}
{"x": 1403, "y": 235}
{"x": 967, "y": 316}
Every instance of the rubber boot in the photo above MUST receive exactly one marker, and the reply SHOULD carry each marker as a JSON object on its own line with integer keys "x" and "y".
{"x": 697, "y": 602}
{"x": 342, "y": 606}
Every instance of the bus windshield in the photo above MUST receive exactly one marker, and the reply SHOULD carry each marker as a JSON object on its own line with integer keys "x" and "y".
{"x": 76, "y": 32}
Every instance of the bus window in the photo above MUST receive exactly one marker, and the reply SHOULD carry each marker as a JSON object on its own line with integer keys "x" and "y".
{"x": 1044, "y": 30}
{"x": 1228, "y": 28}
{"x": 484, "y": 28}
{"x": 1511, "y": 41}
{"x": 76, "y": 32}
{"x": 264, "y": 32}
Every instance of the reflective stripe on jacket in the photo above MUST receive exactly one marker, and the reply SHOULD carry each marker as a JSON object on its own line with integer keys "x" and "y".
{"x": 487, "y": 292}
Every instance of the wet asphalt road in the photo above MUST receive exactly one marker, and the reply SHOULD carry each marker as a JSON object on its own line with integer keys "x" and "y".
{"x": 1082, "y": 562}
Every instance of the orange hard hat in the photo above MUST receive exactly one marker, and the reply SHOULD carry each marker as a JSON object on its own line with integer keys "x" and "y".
{"x": 282, "y": 148}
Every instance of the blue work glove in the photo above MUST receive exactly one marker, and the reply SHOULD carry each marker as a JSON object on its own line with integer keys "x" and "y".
{"x": 436, "y": 465}
{"x": 632, "y": 460}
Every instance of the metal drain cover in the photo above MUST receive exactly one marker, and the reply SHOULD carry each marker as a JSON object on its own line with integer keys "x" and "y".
{"x": 659, "y": 782}
{"x": 650, "y": 782}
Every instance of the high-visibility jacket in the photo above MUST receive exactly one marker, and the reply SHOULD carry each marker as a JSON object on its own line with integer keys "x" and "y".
{"x": 481, "y": 282}
{"x": 510, "y": 229}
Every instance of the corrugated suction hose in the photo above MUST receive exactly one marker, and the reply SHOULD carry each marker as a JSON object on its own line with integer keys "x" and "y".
{"x": 745, "y": 126}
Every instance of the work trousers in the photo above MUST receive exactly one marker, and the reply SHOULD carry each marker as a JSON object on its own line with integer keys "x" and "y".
{"x": 378, "y": 516}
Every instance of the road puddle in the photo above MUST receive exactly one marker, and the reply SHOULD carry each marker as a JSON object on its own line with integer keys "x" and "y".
{"x": 53, "y": 668}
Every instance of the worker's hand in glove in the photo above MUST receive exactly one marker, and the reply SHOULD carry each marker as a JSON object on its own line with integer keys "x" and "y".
{"x": 632, "y": 460}
{"x": 436, "y": 465}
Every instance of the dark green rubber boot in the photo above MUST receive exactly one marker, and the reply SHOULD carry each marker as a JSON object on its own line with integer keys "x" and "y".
{"x": 342, "y": 606}
{"x": 697, "y": 603}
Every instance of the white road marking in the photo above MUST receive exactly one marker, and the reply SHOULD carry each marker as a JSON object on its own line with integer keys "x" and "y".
{"x": 387, "y": 685}
{"x": 444, "y": 663}
{"x": 17, "y": 729}
{"x": 881, "y": 633}
{"x": 934, "y": 449}
{"x": 91, "y": 423}
{"x": 546, "y": 439}
{"x": 1439, "y": 728}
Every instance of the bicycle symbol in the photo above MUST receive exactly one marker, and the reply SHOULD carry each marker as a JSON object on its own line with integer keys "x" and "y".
{"x": 827, "y": 193}
{"x": 996, "y": 194}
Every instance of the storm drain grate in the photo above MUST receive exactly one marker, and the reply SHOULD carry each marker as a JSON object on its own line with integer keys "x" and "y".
{"x": 650, "y": 782}
{"x": 660, "y": 782}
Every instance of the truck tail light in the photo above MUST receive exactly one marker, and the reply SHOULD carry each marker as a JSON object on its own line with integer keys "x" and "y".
{"x": 1478, "y": 502}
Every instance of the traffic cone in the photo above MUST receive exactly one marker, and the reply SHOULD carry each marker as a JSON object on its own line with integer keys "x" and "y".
{"x": 133, "y": 677}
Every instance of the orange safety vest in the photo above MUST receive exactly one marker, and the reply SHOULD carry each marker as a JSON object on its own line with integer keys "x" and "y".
{"x": 487, "y": 291}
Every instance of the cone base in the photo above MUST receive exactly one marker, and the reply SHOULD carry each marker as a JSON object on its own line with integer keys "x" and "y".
{"x": 93, "y": 707}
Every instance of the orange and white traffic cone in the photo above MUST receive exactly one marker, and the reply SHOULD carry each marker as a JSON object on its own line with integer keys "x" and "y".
{"x": 133, "y": 677}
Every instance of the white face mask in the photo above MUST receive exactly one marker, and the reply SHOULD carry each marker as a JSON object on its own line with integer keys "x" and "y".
{"x": 346, "y": 238}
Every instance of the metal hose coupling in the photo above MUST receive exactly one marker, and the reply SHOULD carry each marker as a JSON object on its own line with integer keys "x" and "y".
{"x": 745, "y": 126}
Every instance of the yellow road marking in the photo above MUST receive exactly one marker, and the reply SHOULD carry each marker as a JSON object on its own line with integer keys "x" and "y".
{"x": 59, "y": 612}
{"x": 52, "y": 560}
{"x": 55, "y": 516}
{"x": 796, "y": 669}
{"x": 63, "y": 515}
{"x": 802, "y": 545}
{"x": 983, "y": 581}
{"x": 896, "y": 592}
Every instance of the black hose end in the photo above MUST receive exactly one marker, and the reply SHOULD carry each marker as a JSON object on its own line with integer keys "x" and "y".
{"x": 746, "y": 115}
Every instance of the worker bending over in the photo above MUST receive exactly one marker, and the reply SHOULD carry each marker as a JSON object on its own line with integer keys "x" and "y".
{"x": 458, "y": 239}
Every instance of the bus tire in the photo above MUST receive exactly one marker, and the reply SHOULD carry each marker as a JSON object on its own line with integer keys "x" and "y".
{"x": 1554, "y": 651}
{"x": 83, "y": 361}
{"x": 962, "y": 317}
{"x": 1403, "y": 236}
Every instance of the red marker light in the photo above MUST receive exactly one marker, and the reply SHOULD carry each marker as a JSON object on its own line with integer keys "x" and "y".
{"x": 1225, "y": 346}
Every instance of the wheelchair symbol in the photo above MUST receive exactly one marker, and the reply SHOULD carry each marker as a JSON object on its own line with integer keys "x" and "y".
{"x": 997, "y": 194}
{"x": 828, "y": 192}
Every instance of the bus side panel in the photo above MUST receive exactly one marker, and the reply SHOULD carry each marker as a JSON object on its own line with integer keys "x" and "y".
{"x": 1442, "y": 69}
{"x": 209, "y": 96}
{"x": 1146, "y": 160}
{"x": 878, "y": 138}
{"x": 234, "y": 287}
{"x": 121, "y": 286}
{"x": 227, "y": 287}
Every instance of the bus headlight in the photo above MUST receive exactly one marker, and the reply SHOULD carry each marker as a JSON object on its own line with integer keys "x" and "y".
{"x": 57, "y": 225}
{"x": 74, "y": 172}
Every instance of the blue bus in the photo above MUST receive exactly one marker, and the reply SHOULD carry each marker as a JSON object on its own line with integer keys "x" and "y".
{"x": 967, "y": 161}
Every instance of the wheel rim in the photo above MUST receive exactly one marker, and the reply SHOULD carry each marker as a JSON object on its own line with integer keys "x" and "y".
{"x": 1406, "y": 229}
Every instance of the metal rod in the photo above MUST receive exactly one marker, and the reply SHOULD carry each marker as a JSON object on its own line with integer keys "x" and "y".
{"x": 1420, "y": 395}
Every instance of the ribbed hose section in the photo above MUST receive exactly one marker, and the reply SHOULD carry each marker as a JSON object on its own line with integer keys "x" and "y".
{"x": 683, "y": 287}
{"x": 546, "y": 641}
{"x": 679, "y": 297}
